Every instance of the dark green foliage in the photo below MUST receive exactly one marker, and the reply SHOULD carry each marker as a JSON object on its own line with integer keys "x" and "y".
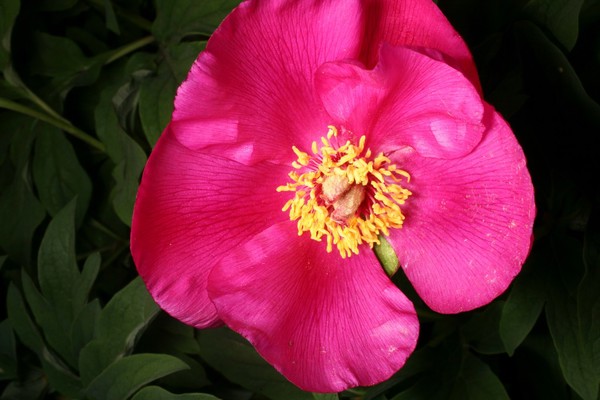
{"x": 87, "y": 87}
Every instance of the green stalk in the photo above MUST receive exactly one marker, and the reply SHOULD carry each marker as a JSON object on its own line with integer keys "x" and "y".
{"x": 57, "y": 122}
{"x": 129, "y": 48}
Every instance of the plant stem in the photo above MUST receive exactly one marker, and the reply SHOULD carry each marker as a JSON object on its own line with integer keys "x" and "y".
{"x": 129, "y": 48}
{"x": 60, "y": 122}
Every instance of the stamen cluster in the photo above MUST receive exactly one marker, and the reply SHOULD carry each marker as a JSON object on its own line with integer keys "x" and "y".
{"x": 344, "y": 194}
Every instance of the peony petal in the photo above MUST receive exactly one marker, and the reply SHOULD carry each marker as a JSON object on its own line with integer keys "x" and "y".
{"x": 409, "y": 99}
{"x": 253, "y": 83}
{"x": 468, "y": 223}
{"x": 191, "y": 208}
{"x": 325, "y": 323}
{"x": 414, "y": 23}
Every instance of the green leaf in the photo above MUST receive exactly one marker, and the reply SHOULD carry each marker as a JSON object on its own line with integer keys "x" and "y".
{"x": 176, "y": 20}
{"x": 84, "y": 326}
{"x": 169, "y": 336}
{"x": 127, "y": 313}
{"x": 524, "y": 304}
{"x": 45, "y": 315}
{"x": 477, "y": 382}
{"x": 561, "y": 17}
{"x": 387, "y": 256}
{"x": 158, "y": 393}
{"x": 57, "y": 173}
{"x": 573, "y": 315}
{"x": 57, "y": 268}
{"x": 8, "y": 351}
{"x": 128, "y": 156}
{"x": 121, "y": 379}
{"x": 21, "y": 320}
{"x": 157, "y": 92}
{"x": 60, "y": 376}
{"x": 31, "y": 387}
{"x": 553, "y": 73}
{"x": 20, "y": 211}
{"x": 481, "y": 331}
{"x": 62, "y": 60}
{"x": 111, "y": 18}
{"x": 235, "y": 358}
{"x": 9, "y": 9}
{"x": 325, "y": 396}
{"x": 86, "y": 281}
{"x": 451, "y": 371}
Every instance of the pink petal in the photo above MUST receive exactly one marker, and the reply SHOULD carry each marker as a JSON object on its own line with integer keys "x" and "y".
{"x": 468, "y": 223}
{"x": 325, "y": 323}
{"x": 191, "y": 208}
{"x": 409, "y": 99}
{"x": 414, "y": 23}
{"x": 253, "y": 83}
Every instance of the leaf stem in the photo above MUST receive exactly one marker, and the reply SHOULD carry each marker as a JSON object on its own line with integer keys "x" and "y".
{"x": 60, "y": 122}
{"x": 129, "y": 48}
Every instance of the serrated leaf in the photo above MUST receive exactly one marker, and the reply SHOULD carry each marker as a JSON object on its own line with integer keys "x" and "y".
{"x": 127, "y": 155}
{"x": 86, "y": 281}
{"x": 157, "y": 92}
{"x": 21, "y": 320}
{"x": 57, "y": 173}
{"x": 175, "y": 20}
{"x": 122, "y": 378}
{"x": 235, "y": 358}
{"x": 53, "y": 327}
{"x": 127, "y": 313}
{"x": 84, "y": 326}
{"x": 57, "y": 268}
{"x": 20, "y": 211}
{"x": 158, "y": 393}
{"x": 59, "y": 375}
{"x": 561, "y": 17}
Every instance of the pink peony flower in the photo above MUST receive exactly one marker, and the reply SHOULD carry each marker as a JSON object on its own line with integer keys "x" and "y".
{"x": 359, "y": 119}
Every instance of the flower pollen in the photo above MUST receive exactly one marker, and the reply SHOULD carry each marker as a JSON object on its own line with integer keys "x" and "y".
{"x": 345, "y": 194}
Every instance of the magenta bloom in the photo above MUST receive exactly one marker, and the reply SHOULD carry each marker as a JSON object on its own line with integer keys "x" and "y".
{"x": 304, "y": 131}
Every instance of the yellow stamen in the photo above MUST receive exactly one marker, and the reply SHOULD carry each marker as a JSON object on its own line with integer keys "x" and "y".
{"x": 350, "y": 198}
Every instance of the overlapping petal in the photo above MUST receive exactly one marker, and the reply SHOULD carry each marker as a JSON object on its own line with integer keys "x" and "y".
{"x": 468, "y": 223}
{"x": 209, "y": 237}
{"x": 191, "y": 208}
{"x": 326, "y": 323}
{"x": 253, "y": 83}
{"x": 408, "y": 99}
{"x": 418, "y": 24}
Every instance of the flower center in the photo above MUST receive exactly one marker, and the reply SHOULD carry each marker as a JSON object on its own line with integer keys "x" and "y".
{"x": 344, "y": 194}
